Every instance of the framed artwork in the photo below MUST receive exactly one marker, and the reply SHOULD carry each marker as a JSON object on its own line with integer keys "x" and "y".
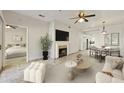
{"x": 115, "y": 39}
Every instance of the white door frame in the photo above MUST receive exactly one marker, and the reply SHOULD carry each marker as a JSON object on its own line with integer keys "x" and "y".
{"x": 2, "y": 45}
{"x": 27, "y": 40}
{"x": 27, "y": 50}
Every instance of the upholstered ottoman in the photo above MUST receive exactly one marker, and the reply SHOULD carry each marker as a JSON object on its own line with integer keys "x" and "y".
{"x": 35, "y": 72}
{"x": 26, "y": 71}
{"x": 40, "y": 73}
{"x": 32, "y": 72}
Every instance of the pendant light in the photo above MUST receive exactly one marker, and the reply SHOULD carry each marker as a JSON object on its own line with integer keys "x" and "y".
{"x": 104, "y": 32}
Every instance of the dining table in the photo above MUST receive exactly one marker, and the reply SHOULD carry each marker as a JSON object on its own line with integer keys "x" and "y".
{"x": 101, "y": 53}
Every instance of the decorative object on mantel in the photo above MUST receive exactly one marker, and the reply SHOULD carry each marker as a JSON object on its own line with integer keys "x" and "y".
{"x": 104, "y": 32}
{"x": 45, "y": 43}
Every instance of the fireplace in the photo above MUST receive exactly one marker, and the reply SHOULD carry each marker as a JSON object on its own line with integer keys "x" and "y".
{"x": 62, "y": 51}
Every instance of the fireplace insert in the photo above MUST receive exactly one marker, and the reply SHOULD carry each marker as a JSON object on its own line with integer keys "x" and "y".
{"x": 62, "y": 52}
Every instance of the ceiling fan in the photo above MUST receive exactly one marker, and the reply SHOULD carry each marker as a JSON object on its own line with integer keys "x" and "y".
{"x": 11, "y": 26}
{"x": 82, "y": 17}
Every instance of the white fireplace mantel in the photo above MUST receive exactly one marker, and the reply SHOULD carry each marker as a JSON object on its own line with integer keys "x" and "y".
{"x": 61, "y": 43}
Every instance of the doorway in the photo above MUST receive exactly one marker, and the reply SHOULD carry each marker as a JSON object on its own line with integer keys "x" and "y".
{"x": 15, "y": 46}
{"x": 87, "y": 44}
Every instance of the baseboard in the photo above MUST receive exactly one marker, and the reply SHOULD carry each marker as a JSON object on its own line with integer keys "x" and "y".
{"x": 35, "y": 59}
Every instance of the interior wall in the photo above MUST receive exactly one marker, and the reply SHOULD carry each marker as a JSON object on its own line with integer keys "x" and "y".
{"x": 52, "y": 37}
{"x": 75, "y": 40}
{"x": 84, "y": 38}
{"x": 74, "y": 36}
{"x": 36, "y": 29}
{"x": 97, "y": 36}
{"x": 11, "y": 34}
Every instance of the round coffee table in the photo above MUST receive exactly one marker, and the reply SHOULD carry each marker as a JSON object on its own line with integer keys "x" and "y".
{"x": 70, "y": 65}
{"x": 83, "y": 66}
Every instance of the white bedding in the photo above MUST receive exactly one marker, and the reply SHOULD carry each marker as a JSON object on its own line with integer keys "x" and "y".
{"x": 15, "y": 51}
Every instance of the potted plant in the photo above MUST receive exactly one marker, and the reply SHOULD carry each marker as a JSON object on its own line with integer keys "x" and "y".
{"x": 45, "y": 43}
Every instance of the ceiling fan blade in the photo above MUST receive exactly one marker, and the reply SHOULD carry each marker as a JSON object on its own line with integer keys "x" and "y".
{"x": 76, "y": 21}
{"x": 74, "y": 18}
{"x": 14, "y": 27}
{"x": 90, "y": 15}
{"x": 85, "y": 20}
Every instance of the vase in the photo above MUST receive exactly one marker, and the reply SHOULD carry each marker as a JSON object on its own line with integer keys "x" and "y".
{"x": 45, "y": 55}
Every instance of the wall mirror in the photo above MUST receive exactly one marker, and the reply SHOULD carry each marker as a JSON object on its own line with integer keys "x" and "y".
{"x": 107, "y": 40}
{"x": 115, "y": 39}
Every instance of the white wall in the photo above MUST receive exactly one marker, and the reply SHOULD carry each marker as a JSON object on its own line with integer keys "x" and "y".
{"x": 75, "y": 40}
{"x": 98, "y": 37}
{"x": 52, "y": 37}
{"x": 11, "y": 33}
{"x": 36, "y": 29}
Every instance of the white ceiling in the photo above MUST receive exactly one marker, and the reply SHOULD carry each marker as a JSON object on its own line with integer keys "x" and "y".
{"x": 110, "y": 16}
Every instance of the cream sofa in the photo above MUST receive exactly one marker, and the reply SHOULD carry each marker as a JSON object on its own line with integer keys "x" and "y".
{"x": 109, "y": 73}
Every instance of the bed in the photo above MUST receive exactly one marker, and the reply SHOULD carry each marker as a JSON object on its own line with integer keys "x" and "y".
{"x": 15, "y": 51}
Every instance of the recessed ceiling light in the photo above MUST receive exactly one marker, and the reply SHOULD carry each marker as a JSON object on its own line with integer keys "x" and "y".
{"x": 59, "y": 10}
{"x": 41, "y": 15}
{"x": 69, "y": 26}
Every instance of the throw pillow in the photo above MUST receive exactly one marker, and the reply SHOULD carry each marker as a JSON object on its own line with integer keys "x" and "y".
{"x": 114, "y": 64}
{"x": 108, "y": 73}
{"x": 117, "y": 74}
{"x": 119, "y": 66}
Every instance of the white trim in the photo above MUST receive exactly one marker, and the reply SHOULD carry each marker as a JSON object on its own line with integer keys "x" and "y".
{"x": 3, "y": 38}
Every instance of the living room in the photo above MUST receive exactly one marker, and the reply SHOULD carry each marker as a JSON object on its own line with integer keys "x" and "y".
{"x": 71, "y": 40}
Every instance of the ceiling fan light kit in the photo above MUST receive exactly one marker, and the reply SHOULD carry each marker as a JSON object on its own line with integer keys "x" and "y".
{"x": 82, "y": 17}
{"x": 81, "y": 20}
{"x": 7, "y": 26}
{"x": 104, "y": 32}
